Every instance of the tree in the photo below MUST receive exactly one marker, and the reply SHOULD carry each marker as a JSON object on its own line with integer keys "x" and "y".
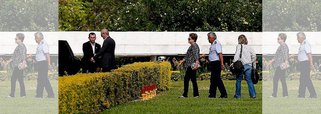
{"x": 29, "y": 15}
{"x": 161, "y": 15}
{"x": 292, "y": 15}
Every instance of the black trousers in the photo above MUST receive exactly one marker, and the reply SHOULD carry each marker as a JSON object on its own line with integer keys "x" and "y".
{"x": 190, "y": 75}
{"x": 17, "y": 75}
{"x": 305, "y": 80}
{"x": 216, "y": 81}
{"x": 106, "y": 69}
{"x": 43, "y": 81}
{"x": 89, "y": 67}
{"x": 279, "y": 75}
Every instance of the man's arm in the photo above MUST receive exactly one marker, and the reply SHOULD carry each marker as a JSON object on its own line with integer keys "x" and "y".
{"x": 48, "y": 59}
{"x": 102, "y": 50}
{"x": 219, "y": 51}
{"x": 310, "y": 60}
{"x": 221, "y": 60}
{"x": 84, "y": 50}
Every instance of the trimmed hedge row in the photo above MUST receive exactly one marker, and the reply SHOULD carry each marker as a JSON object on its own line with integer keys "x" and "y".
{"x": 93, "y": 93}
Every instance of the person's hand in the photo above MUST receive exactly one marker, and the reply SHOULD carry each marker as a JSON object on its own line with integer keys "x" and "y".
{"x": 181, "y": 62}
{"x": 222, "y": 67}
{"x": 197, "y": 62}
{"x": 9, "y": 61}
{"x": 312, "y": 67}
{"x": 92, "y": 59}
{"x": 49, "y": 66}
{"x": 270, "y": 62}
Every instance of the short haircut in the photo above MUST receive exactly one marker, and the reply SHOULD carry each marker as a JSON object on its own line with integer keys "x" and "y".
{"x": 39, "y": 34}
{"x": 92, "y": 33}
{"x": 301, "y": 33}
{"x": 242, "y": 39}
{"x": 283, "y": 36}
{"x": 193, "y": 36}
{"x": 20, "y": 36}
{"x": 212, "y": 34}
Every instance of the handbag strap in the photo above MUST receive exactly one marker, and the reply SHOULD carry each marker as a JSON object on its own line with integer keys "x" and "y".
{"x": 241, "y": 51}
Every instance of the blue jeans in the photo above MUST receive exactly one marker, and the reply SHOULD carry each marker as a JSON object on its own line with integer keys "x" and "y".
{"x": 247, "y": 72}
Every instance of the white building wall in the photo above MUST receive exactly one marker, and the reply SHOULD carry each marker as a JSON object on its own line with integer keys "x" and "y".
{"x": 159, "y": 43}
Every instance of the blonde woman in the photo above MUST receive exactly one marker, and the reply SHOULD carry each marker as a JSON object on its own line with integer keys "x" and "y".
{"x": 248, "y": 59}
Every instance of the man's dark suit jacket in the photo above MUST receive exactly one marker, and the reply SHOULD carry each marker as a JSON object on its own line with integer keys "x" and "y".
{"x": 88, "y": 53}
{"x": 107, "y": 54}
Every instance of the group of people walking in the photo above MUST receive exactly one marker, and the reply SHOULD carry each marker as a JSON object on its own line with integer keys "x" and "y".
{"x": 247, "y": 56}
{"x": 281, "y": 62}
{"x": 216, "y": 63}
{"x": 18, "y": 64}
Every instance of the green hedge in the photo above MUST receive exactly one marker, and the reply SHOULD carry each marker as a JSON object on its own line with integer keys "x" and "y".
{"x": 93, "y": 93}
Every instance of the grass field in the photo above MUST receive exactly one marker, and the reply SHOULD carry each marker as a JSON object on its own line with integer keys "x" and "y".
{"x": 29, "y": 104}
{"x": 291, "y": 104}
{"x": 168, "y": 101}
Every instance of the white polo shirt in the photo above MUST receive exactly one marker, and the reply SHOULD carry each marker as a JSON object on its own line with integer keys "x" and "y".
{"x": 215, "y": 49}
{"x": 42, "y": 50}
{"x": 304, "y": 49}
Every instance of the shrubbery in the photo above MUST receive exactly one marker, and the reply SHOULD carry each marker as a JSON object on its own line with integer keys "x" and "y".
{"x": 92, "y": 93}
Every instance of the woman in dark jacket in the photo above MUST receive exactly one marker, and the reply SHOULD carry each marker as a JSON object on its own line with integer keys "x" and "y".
{"x": 280, "y": 63}
{"x": 191, "y": 61}
{"x": 17, "y": 64}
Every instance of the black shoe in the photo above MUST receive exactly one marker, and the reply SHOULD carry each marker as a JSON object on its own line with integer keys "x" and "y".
{"x": 254, "y": 97}
{"x": 313, "y": 97}
{"x": 50, "y": 97}
{"x": 225, "y": 96}
{"x": 38, "y": 97}
{"x": 236, "y": 97}
{"x": 301, "y": 96}
{"x": 211, "y": 96}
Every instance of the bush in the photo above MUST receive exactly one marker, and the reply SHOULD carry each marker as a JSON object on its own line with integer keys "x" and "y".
{"x": 176, "y": 75}
{"x": 92, "y": 93}
{"x": 204, "y": 76}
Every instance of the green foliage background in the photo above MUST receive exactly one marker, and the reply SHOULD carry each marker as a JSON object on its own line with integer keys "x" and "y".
{"x": 160, "y": 15}
{"x": 291, "y": 15}
{"x": 28, "y": 15}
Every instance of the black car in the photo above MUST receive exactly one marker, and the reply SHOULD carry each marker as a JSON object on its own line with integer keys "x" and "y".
{"x": 68, "y": 63}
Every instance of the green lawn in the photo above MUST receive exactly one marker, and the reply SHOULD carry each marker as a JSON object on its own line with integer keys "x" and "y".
{"x": 291, "y": 104}
{"x": 168, "y": 101}
{"x": 29, "y": 104}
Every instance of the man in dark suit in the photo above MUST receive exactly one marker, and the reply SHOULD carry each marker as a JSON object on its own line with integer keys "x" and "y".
{"x": 107, "y": 52}
{"x": 90, "y": 49}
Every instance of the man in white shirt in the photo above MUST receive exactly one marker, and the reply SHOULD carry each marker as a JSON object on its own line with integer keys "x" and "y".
{"x": 216, "y": 65}
{"x": 43, "y": 62}
{"x": 305, "y": 65}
